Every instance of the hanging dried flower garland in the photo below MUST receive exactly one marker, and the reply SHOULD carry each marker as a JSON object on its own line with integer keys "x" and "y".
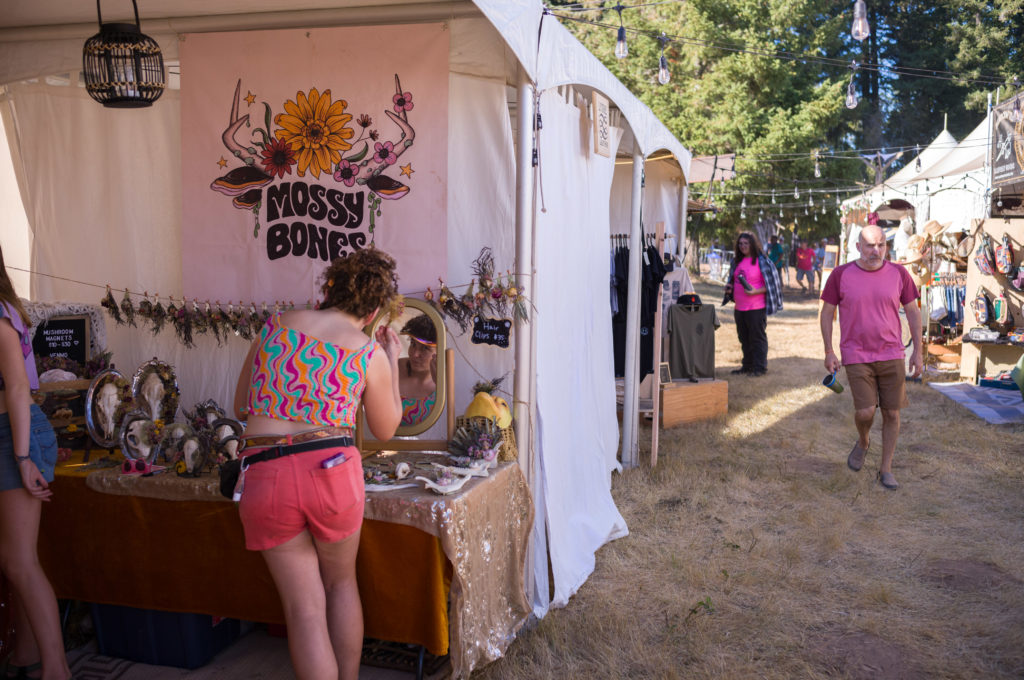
{"x": 486, "y": 292}
{"x": 190, "y": 318}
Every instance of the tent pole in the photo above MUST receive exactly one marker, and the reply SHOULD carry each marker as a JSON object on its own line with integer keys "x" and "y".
{"x": 684, "y": 204}
{"x": 523, "y": 406}
{"x": 630, "y": 403}
{"x": 524, "y": 383}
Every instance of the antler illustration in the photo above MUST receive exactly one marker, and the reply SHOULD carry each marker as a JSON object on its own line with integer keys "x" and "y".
{"x": 405, "y": 140}
{"x": 234, "y": 123}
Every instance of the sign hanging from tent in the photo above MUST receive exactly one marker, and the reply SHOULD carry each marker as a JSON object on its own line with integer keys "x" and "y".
{"x": 299, "y": 146}
{"x": 491, "y": 331}
{"x": 1008, "y": 142}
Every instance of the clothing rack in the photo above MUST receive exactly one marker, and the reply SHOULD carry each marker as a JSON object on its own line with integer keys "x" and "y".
{"x": 949, "y": 279}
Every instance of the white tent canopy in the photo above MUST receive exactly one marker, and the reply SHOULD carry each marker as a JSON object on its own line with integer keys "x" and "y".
{"x": 88, "y": 186}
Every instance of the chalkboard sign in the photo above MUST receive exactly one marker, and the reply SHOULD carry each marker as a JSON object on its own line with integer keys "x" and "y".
{"x": 63, "y": 336}
{"x": 491, "y": 331}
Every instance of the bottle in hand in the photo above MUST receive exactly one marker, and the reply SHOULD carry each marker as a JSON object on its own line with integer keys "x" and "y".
{"x": 743, "y": 282}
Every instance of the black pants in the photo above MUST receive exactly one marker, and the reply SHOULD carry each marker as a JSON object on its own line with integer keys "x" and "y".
{"x": 751, "y": 328}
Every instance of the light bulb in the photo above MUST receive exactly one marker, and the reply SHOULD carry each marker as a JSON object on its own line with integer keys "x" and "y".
{"x": 773, "y": 196}
{"x": 743, "y": 214}
{"x": 817, "y": 169}
{"x": 796, "y": 191}
{"x": 689, "y": 218}
{"x": 851, "y": 96}
{"x": 744, "y": 203}
{"x": 860, "y": 28}
{"x": 663, "y": 73}
{"x": 621, "y": 50}
{"x": 810, "y": 199}
{"x": 917, "y": 161}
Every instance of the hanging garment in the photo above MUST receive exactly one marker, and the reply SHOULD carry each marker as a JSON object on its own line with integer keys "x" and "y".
{"x": 691, "y": 348}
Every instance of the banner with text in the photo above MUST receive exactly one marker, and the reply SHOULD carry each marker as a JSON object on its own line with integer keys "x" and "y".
{"x": 301, "y": 145}
{"x": 1008, "y": 142}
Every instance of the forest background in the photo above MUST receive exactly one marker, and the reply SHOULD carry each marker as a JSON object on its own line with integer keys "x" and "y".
{"x": 768, "y": 81}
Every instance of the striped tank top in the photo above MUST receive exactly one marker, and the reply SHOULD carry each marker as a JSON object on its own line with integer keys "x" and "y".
{"x": 300, "y": 378}
{"x": 415, "y": 411}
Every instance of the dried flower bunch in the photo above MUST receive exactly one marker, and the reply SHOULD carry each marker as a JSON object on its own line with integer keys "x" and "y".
{"x": 190, "y": 318}
{"x": 487, "y": 292}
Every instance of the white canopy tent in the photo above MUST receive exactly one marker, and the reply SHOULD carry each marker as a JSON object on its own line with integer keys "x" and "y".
{"x": 99, "y": 211}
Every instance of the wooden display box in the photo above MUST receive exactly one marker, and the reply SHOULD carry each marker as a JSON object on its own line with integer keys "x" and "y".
{"x": 683, "y": 401}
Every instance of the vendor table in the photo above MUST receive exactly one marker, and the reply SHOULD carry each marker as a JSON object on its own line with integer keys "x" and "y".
{"x": 174, "y": 544}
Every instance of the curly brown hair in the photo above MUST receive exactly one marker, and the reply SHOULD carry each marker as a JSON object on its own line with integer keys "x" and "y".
{"x": 360, "y": 282}
{"x": 421, "y": 328}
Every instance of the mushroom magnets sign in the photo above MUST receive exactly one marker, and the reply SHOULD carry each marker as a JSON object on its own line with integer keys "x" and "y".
{"x": 302, "y": 145}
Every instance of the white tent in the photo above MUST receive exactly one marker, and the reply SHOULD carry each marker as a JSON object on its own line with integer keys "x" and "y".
{"x": 100, "y": 212}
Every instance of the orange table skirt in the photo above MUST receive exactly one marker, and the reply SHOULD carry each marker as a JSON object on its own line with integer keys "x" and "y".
{"x": 190, "y": 556}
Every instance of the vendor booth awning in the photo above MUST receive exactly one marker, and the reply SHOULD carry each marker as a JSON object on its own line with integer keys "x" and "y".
{"x": 103, "y": 191}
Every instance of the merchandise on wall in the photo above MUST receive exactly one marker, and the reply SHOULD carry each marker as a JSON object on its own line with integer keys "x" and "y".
{"x": 994, "y": 327}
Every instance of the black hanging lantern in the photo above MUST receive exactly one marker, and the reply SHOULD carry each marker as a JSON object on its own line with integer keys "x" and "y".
{"x": 123, "y": 67}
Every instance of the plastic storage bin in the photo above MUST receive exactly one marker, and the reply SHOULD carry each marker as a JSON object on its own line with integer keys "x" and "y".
{"x": 161, "y": 638}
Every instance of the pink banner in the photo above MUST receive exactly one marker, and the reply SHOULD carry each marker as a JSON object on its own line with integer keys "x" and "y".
{"x": 300, "y": 145}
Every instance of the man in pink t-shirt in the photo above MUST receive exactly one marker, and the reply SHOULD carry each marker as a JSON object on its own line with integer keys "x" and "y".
{"x": 869, "y": 293}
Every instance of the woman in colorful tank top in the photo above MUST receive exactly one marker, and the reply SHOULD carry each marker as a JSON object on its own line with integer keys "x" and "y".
{"x": 301, "y": 485}
{"x": 417, "y": 373}
{"x": 28, "y": 452}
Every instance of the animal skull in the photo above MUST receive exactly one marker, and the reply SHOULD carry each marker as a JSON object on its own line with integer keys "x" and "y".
{"x": 153, "y": 392}
{"x": 106, "y": 402}
{"x": 137, "y": 440}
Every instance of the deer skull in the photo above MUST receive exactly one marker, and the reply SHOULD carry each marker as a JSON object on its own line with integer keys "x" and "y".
{"x": 106, "y": 402}
{"x": 153, "y": 392}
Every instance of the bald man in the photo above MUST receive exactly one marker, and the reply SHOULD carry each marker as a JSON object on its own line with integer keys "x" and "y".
{"x": 869, "y": 293}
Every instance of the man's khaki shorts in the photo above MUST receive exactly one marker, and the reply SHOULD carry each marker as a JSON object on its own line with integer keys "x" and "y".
{"x": 878, "y": 383}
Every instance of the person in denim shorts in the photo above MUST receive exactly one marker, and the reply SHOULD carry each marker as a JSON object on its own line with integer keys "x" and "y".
{"x": 869, "y": 293}
{"x": 28, "y": 453}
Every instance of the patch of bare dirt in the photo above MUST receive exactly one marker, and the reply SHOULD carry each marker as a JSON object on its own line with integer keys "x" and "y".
{"x": 967, "y": 574}
{"x": 811, "y": 466}
{"x": 863, "y": 656}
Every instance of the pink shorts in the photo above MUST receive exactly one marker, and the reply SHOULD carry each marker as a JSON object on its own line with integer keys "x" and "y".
{"x": 283, "y": 497}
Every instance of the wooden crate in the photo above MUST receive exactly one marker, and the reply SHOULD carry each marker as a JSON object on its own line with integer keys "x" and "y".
{"x": 688, "y": 402}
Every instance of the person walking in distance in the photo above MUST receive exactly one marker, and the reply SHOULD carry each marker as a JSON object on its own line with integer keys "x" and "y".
{"x": 777, "y": 255}
{"x": 868, "y": 293}
{"x": 753, "y": 284}
{"x": 805, "y": 266}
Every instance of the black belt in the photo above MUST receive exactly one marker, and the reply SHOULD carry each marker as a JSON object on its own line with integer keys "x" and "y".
{"x": 280, "y": 451}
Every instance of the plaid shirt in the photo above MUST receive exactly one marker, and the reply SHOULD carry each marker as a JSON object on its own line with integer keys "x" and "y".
{"x": 772, "y": 284}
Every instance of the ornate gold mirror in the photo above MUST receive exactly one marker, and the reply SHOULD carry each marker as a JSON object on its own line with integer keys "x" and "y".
{"x": 424, "y": 370}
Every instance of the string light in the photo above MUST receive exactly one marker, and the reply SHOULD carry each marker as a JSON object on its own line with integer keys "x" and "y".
{"x": 817, "y": 166}
{"x": 773, "y": 196}
{"x": 860, "y": 28}
{"x": 796, "y": 191}
{"x": 663, "y": 73}
{"x": 621, "y": 50}
{"x": 917, "y": 162}
{"x": 851, "y": 91}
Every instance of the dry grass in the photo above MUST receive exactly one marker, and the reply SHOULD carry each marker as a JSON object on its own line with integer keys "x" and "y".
{"x": 754, "y": 552}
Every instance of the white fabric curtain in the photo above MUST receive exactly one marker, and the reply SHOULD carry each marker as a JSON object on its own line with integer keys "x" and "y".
{"x": 578, "y": 431}
{"x": 102, "y": 191}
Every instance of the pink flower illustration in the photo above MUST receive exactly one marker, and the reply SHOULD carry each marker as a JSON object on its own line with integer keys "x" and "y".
{"x": 346, "y": 173}
{"x": 403, "y": 102}
{"x": 384, "y": 153}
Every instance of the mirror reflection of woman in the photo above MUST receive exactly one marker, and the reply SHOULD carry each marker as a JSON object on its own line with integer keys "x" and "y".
{"x": 417, "y": 373}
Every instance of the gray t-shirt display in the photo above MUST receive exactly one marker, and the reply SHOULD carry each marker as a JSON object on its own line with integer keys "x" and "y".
{"x": 691, "y": 346}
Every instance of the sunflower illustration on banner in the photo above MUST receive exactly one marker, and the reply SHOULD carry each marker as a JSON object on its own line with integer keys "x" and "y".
{"x": 312, "y": 137}
{"x": 302, "y": 145}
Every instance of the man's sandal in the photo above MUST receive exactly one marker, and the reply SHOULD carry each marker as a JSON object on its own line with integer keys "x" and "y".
{"x": 888, "y": 480}
{"x": 855, "y": 461}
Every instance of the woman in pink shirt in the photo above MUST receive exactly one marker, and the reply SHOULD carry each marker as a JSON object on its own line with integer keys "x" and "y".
{"x": 753, "y": 284}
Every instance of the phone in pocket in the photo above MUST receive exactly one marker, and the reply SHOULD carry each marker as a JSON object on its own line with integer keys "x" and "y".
{"x": 337, "y": 459}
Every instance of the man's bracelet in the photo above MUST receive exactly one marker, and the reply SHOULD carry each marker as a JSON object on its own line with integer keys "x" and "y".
{"x": 22, "y": 459}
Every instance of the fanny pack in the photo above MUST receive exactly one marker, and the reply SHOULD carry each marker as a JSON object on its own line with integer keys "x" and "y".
{"x": 984, "y": 257}
{"x": 230, "y": 471}
{"x": 1004, "y": 256}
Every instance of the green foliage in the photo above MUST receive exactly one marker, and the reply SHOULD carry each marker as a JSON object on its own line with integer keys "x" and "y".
{"x": 724, "y": 100}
